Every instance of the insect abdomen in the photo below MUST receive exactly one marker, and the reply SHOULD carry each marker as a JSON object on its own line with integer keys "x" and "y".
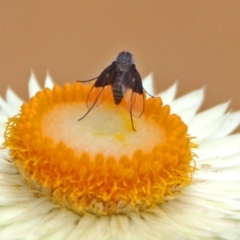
{"x": 117, "y": 93}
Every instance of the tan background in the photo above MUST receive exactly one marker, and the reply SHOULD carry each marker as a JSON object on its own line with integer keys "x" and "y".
{"x": 197, "y": 42}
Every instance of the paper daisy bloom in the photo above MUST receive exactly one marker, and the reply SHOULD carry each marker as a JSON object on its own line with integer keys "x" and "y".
{"x": 176, "y": 177}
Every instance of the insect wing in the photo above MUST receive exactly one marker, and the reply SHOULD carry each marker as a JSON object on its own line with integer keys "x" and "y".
{"x": 94, "y": 97}
{"x": 97, "y": 95}
{"x": 133, "y": 92}
{"x": 135, "y": 102}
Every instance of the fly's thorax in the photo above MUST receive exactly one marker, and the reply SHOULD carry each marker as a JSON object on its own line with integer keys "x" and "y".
{"x": 124, "y": 61}
{"x": 125, "y": 57}
{"x": 124, "y": 67}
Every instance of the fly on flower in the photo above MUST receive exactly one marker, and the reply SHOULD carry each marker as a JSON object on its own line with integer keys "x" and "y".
{"x": 126, "y": 83}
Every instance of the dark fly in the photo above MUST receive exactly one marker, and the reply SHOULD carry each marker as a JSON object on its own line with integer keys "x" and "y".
{"x": 125, "y": 81}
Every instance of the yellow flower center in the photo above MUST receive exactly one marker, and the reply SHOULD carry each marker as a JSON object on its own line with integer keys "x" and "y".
{"x": 99, "y": 165}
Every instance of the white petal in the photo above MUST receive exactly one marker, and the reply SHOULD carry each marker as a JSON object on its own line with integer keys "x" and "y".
{"x": 223, "y": 162}
{"x": 230, "y": 123}
{"x": 217, "y": 174}
{"x": 48, "y": 81}
{"x": 148, "y": 84}
{"x": 191, "y": 99}
{"x": 216, "y": 148}
{"x": 56, "y": 225}
{"x": 139, "y": 221}
{"x": 187, "y": 106}
{"x": 188, "y": 114}
{"x": 201, "y": 121}
{"x": 6, "y": 109}
{"x": 209, "y": 130}
{"x": 3, "y": 120}
{"x": 17, "y": 230}
{"x": 168, "y": 95}
{"x": 84, "y": 227}
{"x": 5, "y": 162}
{"x": 219, "y": 127}
{"x": 202, "y": 213}
{"x": 33, "y": 85}
{"x": 13, "y": 100}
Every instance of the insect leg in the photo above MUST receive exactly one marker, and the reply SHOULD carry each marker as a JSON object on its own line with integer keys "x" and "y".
{"x": 148, "y": 93}
{"x": 87, "y": 80}
{"x": 132, "y": 121}
{"x": 95, "y": 101}
{"x": 131, "y": 105}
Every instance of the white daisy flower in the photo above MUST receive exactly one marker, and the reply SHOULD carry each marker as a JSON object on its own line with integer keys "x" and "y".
{"x": 174, "y": 178}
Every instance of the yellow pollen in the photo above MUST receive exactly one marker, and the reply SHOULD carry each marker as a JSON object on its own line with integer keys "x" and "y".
{"x": 99, "y": 165}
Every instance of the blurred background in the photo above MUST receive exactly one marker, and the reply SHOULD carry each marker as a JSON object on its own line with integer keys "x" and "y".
{"x": 196, "y": 42}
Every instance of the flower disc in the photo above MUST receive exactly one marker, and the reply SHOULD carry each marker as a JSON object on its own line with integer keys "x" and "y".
{"x": 99, "y": 165}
